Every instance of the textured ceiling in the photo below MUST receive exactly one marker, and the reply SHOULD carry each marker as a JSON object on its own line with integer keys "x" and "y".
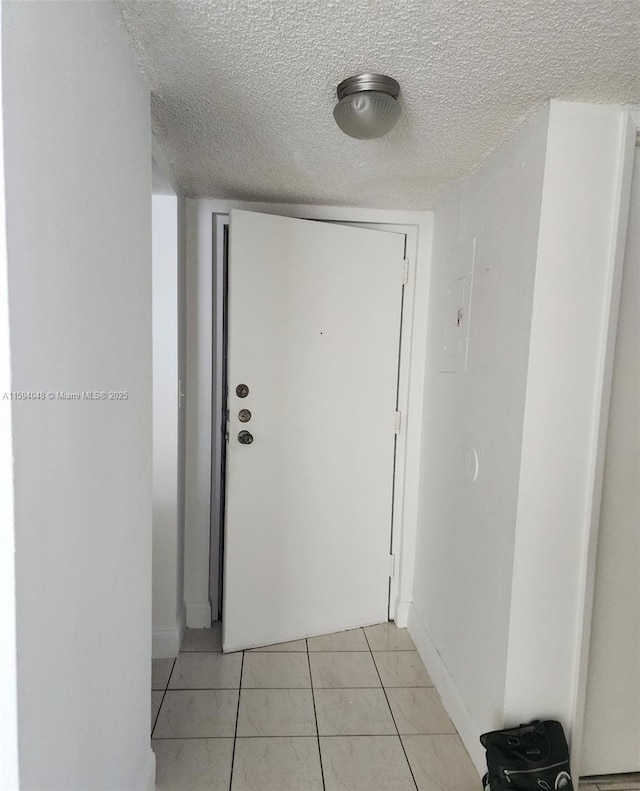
{"x": 243, "y": 90}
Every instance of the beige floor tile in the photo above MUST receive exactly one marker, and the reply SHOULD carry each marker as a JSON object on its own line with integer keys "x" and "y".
{"x": 387, "y": 637}
{"x": 419, "y": 710}
{"x": 440, "y": 763}
{"x": 619, "y": 782}
{"x": 193, "y": 764}
{"x": 401, "y": 669}
{"x": 206, "y": 670}
{"x": 294, "y": 645}
{"x": 343, "y": 669}
{"x": 203, "y": 639}
{"x": 197, "y": 713}
{"x": 280, "y": 764}
{"x": 352, "y": 640}
{"x": 275, "y": 670}
{"x": 156, "y": 700}
{"x": 365, "y": 763}
{"x": 160, "y": 672}
{"x": 353, "y": 712}
{"x": 276, "y": 712}
{"x": 588, "y": 787}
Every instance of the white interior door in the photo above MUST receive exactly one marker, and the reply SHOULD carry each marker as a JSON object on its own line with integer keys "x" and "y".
{"x": 314, "y": 334}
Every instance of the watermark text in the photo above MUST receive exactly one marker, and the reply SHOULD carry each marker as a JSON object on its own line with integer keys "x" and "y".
{"x": 65, "y": 395}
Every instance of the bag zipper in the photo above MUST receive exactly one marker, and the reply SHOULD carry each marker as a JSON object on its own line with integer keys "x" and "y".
{"x": 508, "y": 772}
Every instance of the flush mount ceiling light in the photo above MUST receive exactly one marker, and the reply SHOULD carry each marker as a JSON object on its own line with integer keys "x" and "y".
{"x": 367, "y": 105}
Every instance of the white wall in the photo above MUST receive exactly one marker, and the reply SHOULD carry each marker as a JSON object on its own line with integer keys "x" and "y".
{"x": 578, "y": 269}
{"x": 9, "y": 771}
{"x": 171, "y": 359}
{"x": 182, "y": 403}
{"x": 464, "y": 553}
{"x": 612, "y": 709}
{"x": 504, "y": 562}
{"x": 200, "y": 379}
{"x": 78, "y": 177}
{"x": 199, "y": 320}
{"x": 168, "y": 597}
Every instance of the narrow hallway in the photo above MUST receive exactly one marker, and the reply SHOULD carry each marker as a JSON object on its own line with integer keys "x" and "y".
{"x": 352, "y": 711}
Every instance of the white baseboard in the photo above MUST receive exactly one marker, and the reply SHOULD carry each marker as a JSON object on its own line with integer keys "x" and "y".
{"x": 149, "y": 777}
{"x": 402, "y": 614}
{"x": 444, "y": 683}
{"x": 165, "y": 643}
{"x": 198, "y": 614}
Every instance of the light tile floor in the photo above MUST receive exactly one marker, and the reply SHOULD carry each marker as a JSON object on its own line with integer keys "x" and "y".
{"x": 353, "y": 711}
{"x": 627, "y": 782}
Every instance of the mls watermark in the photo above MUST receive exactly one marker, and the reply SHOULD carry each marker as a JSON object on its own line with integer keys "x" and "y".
{"x": 66, "y": 395}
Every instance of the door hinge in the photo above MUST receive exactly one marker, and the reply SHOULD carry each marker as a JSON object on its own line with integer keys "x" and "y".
{"x": 392, "y": 565}
{"x": 405, "y": 271}
{"x": 397, "y": 423}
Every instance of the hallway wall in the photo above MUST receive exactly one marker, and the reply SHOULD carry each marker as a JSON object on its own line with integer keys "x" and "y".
{"x": 78, "y": 154}
{"x": 466, "y": 533}
{"x": 585, "y": 206}
{"x": 9, "y": 779}
{"x": 612, "y": 710}
{"x": 168, "y": 531}
{"x": 504, "y": 565}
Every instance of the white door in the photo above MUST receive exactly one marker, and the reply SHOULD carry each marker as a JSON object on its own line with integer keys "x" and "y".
{"x": 314, "y": 334}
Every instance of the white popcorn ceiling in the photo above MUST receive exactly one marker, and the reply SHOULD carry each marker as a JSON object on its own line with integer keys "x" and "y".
{"x": 243, "y": 90}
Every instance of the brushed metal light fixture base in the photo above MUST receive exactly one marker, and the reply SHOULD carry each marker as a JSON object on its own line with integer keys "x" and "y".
{"x": 368, "y": 82}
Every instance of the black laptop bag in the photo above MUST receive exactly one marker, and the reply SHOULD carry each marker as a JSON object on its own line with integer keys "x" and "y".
{"x": 533, "y": 756}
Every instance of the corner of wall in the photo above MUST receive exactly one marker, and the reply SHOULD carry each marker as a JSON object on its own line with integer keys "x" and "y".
{"x": 163, "y": 165}
{"x": 165, "y": 643}
{"x": 577, "y": 269}
{"x": 181, "y": 625}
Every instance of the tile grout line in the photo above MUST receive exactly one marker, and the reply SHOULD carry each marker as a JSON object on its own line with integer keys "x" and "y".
{"x": 325, "y": 736}
{"x": 235, "y": 734}
{"x": 231, "y": 689}
{"x": 406, "y": 757}
{"x": 164, "y": 694}
{"x": 315, "y": 715}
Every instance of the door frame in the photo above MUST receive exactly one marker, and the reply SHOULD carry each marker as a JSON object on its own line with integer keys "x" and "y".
{"x": 220, "y": 224}
{"x": 203, "y": 382}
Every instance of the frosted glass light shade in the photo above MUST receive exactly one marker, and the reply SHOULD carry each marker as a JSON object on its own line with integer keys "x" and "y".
{"x": 367, "y": 114}
{"x": 367, "y": 105}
